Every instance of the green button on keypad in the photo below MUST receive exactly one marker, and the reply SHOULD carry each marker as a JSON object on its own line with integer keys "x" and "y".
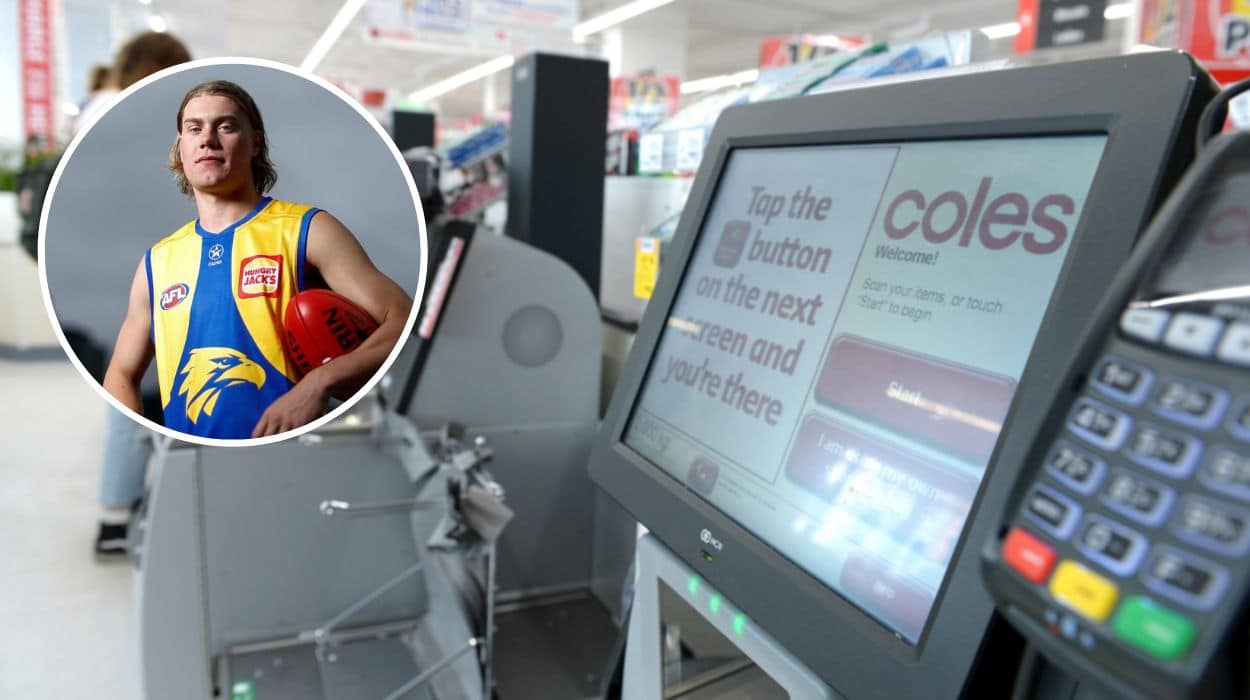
{"x": 1155, "y": 629}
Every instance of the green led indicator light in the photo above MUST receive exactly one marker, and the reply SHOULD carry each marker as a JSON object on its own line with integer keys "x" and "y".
{"x": 714, "y": 604}
{"x": 243, "y": 690}
{"x": 740, "y": 623}
{"x": 693, "y": 585}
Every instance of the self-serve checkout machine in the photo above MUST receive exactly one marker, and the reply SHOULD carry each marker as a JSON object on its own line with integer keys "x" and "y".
{"x": 334, "y": 565}
{"x": 870, "y": 297}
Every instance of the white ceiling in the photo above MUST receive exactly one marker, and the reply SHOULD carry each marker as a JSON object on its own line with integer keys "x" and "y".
{"x": 722, "y": 35}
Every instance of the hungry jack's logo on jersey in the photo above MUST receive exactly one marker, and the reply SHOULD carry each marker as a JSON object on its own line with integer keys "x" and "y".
{"x": 174, "y": 295}
{"x": 260, "y": 276}
{"x": 209, "y": 371}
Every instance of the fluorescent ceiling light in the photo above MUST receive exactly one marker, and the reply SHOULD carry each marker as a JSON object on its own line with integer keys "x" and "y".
{"x": 157, "y": 23}
{"x": 145, "y": 2}
{"x": 1001, "y": 31}
{"x": 331, "y": 34}
{"x": 717, "y": 82}
{"x": 70, "y": 109}
{"x": 1123, "y": 10}
{"x": 462, "y": 78}
{"x": 611, "y": 18}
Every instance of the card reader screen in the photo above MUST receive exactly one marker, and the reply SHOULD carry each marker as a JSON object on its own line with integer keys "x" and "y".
{"x": 1213, "y": 252}
{"x": 845, "y": 343}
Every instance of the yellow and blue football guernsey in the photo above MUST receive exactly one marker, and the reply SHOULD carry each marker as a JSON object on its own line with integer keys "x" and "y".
{"x": 218, "y": 301}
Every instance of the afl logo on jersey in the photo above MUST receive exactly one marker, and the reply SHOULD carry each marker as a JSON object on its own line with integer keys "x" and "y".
{"x": 174, "y": 295}
{"x": 260, "y": 276}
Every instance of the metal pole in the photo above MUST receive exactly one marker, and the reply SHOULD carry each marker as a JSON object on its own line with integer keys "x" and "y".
{"x": 322, "y": 632}
{"x": 425, "y": 675}
{"x": 334, "y": 507}
{"x": 488, "y": 649}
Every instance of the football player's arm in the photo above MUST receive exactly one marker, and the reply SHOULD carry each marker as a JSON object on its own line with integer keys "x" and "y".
{"x": 132, "y": 353}
{"x": 346, "y": 268}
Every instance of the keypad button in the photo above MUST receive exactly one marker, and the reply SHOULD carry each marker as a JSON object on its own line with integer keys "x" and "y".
{"x": 1184, "y": 578}
{"x": 1165, "y": 451}
{"x": 1145, "y": 324}
{"x": 1122, "y": 380}
{"x": 1190, "y": 403}
{"x": 1099, "y": 424}
{"x": 1234, "y": 347}
{"x": 1084, "y": 591}
{"x": 1074, "y": 467}
{"x": 1239, "y": 422}
{"x": 1053, "y": 512}
{"x": 1227, "y": 472}
{"x": 1144, "y": 500}
{"x": 1112, "y": 545}
{"x": 1193, "y": 334}
{"x": 1216, "y": 526}
{"x": 1157, "y": 630}
{"x": 1028, "y": 555}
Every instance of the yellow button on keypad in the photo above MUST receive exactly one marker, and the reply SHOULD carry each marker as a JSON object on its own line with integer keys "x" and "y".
{"x": 1084, "y": 591}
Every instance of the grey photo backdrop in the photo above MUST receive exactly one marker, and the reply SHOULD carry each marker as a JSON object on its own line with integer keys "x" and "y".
{"x": 116, "y": 197}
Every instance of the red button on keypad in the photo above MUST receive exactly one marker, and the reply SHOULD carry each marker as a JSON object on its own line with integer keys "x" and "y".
{"x": 1028, "y": 555}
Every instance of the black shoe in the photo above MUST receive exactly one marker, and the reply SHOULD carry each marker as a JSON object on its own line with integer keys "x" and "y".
{"x": 111, "y": 540}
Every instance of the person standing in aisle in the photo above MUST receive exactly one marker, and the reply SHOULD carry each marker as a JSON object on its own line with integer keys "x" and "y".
{"x": 127, "y": 446}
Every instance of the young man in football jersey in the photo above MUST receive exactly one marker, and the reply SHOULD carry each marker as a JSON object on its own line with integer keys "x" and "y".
{"x": 208, "y": 301}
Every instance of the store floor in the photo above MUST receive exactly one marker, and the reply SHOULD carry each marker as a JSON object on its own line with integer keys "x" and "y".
{"x": 67, "y": 623}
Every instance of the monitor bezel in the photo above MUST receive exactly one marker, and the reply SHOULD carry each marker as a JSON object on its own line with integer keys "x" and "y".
{"x": 1140, "y": 103}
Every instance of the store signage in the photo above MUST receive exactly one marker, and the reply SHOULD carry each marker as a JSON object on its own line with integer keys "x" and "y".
{"x": 1217, "y": 33}
{"x": 646, "y": 266}
{"x": 1048, "y": 24}
{"x": 528, "y": 14}
{"x": 448, "y": 15}
{"x": 690, "y": 149}
{"x": 1157, "y": 23}
{"x": 642, "y": 101}
{"x": 651, "y": 153}
{"x": 451, "y": 27}
{"x": 777, "y": 51}
{"x": 35, "y": 55}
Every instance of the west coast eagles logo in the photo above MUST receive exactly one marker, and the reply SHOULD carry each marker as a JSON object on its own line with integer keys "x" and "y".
{"x": 209, "y": 371}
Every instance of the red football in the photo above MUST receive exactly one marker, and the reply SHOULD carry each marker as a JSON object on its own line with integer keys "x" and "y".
{"x": 321, "y": 325}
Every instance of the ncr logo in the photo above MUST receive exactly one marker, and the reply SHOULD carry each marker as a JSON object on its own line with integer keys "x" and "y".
{"x": 706, "y": 538}
{"x": 995, "y": 220}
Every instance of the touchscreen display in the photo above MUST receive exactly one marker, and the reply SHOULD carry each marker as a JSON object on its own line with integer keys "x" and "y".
{"x": 846, "y": 341}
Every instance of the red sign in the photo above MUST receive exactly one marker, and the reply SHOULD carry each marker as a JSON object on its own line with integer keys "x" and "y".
{"x": 1026, "y": 15}
{"x": 642, "y": 101}
{"x": 1217, "y": 33}
{"x": 35, "y": 50}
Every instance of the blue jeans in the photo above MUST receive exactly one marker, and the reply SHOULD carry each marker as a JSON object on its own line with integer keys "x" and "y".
{"x": 127, "y": 447}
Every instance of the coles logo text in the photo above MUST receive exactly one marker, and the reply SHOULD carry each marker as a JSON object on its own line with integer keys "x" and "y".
{"x": 990, "y": 218}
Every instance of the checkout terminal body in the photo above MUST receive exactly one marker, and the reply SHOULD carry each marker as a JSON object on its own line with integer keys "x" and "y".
{"x": 869, "y": 301}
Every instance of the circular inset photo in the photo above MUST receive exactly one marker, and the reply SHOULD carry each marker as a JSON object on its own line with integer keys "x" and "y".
{"x": 232, "y": 252}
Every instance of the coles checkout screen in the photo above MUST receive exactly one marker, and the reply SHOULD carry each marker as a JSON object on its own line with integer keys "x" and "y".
{"x": 844, "y": 346}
